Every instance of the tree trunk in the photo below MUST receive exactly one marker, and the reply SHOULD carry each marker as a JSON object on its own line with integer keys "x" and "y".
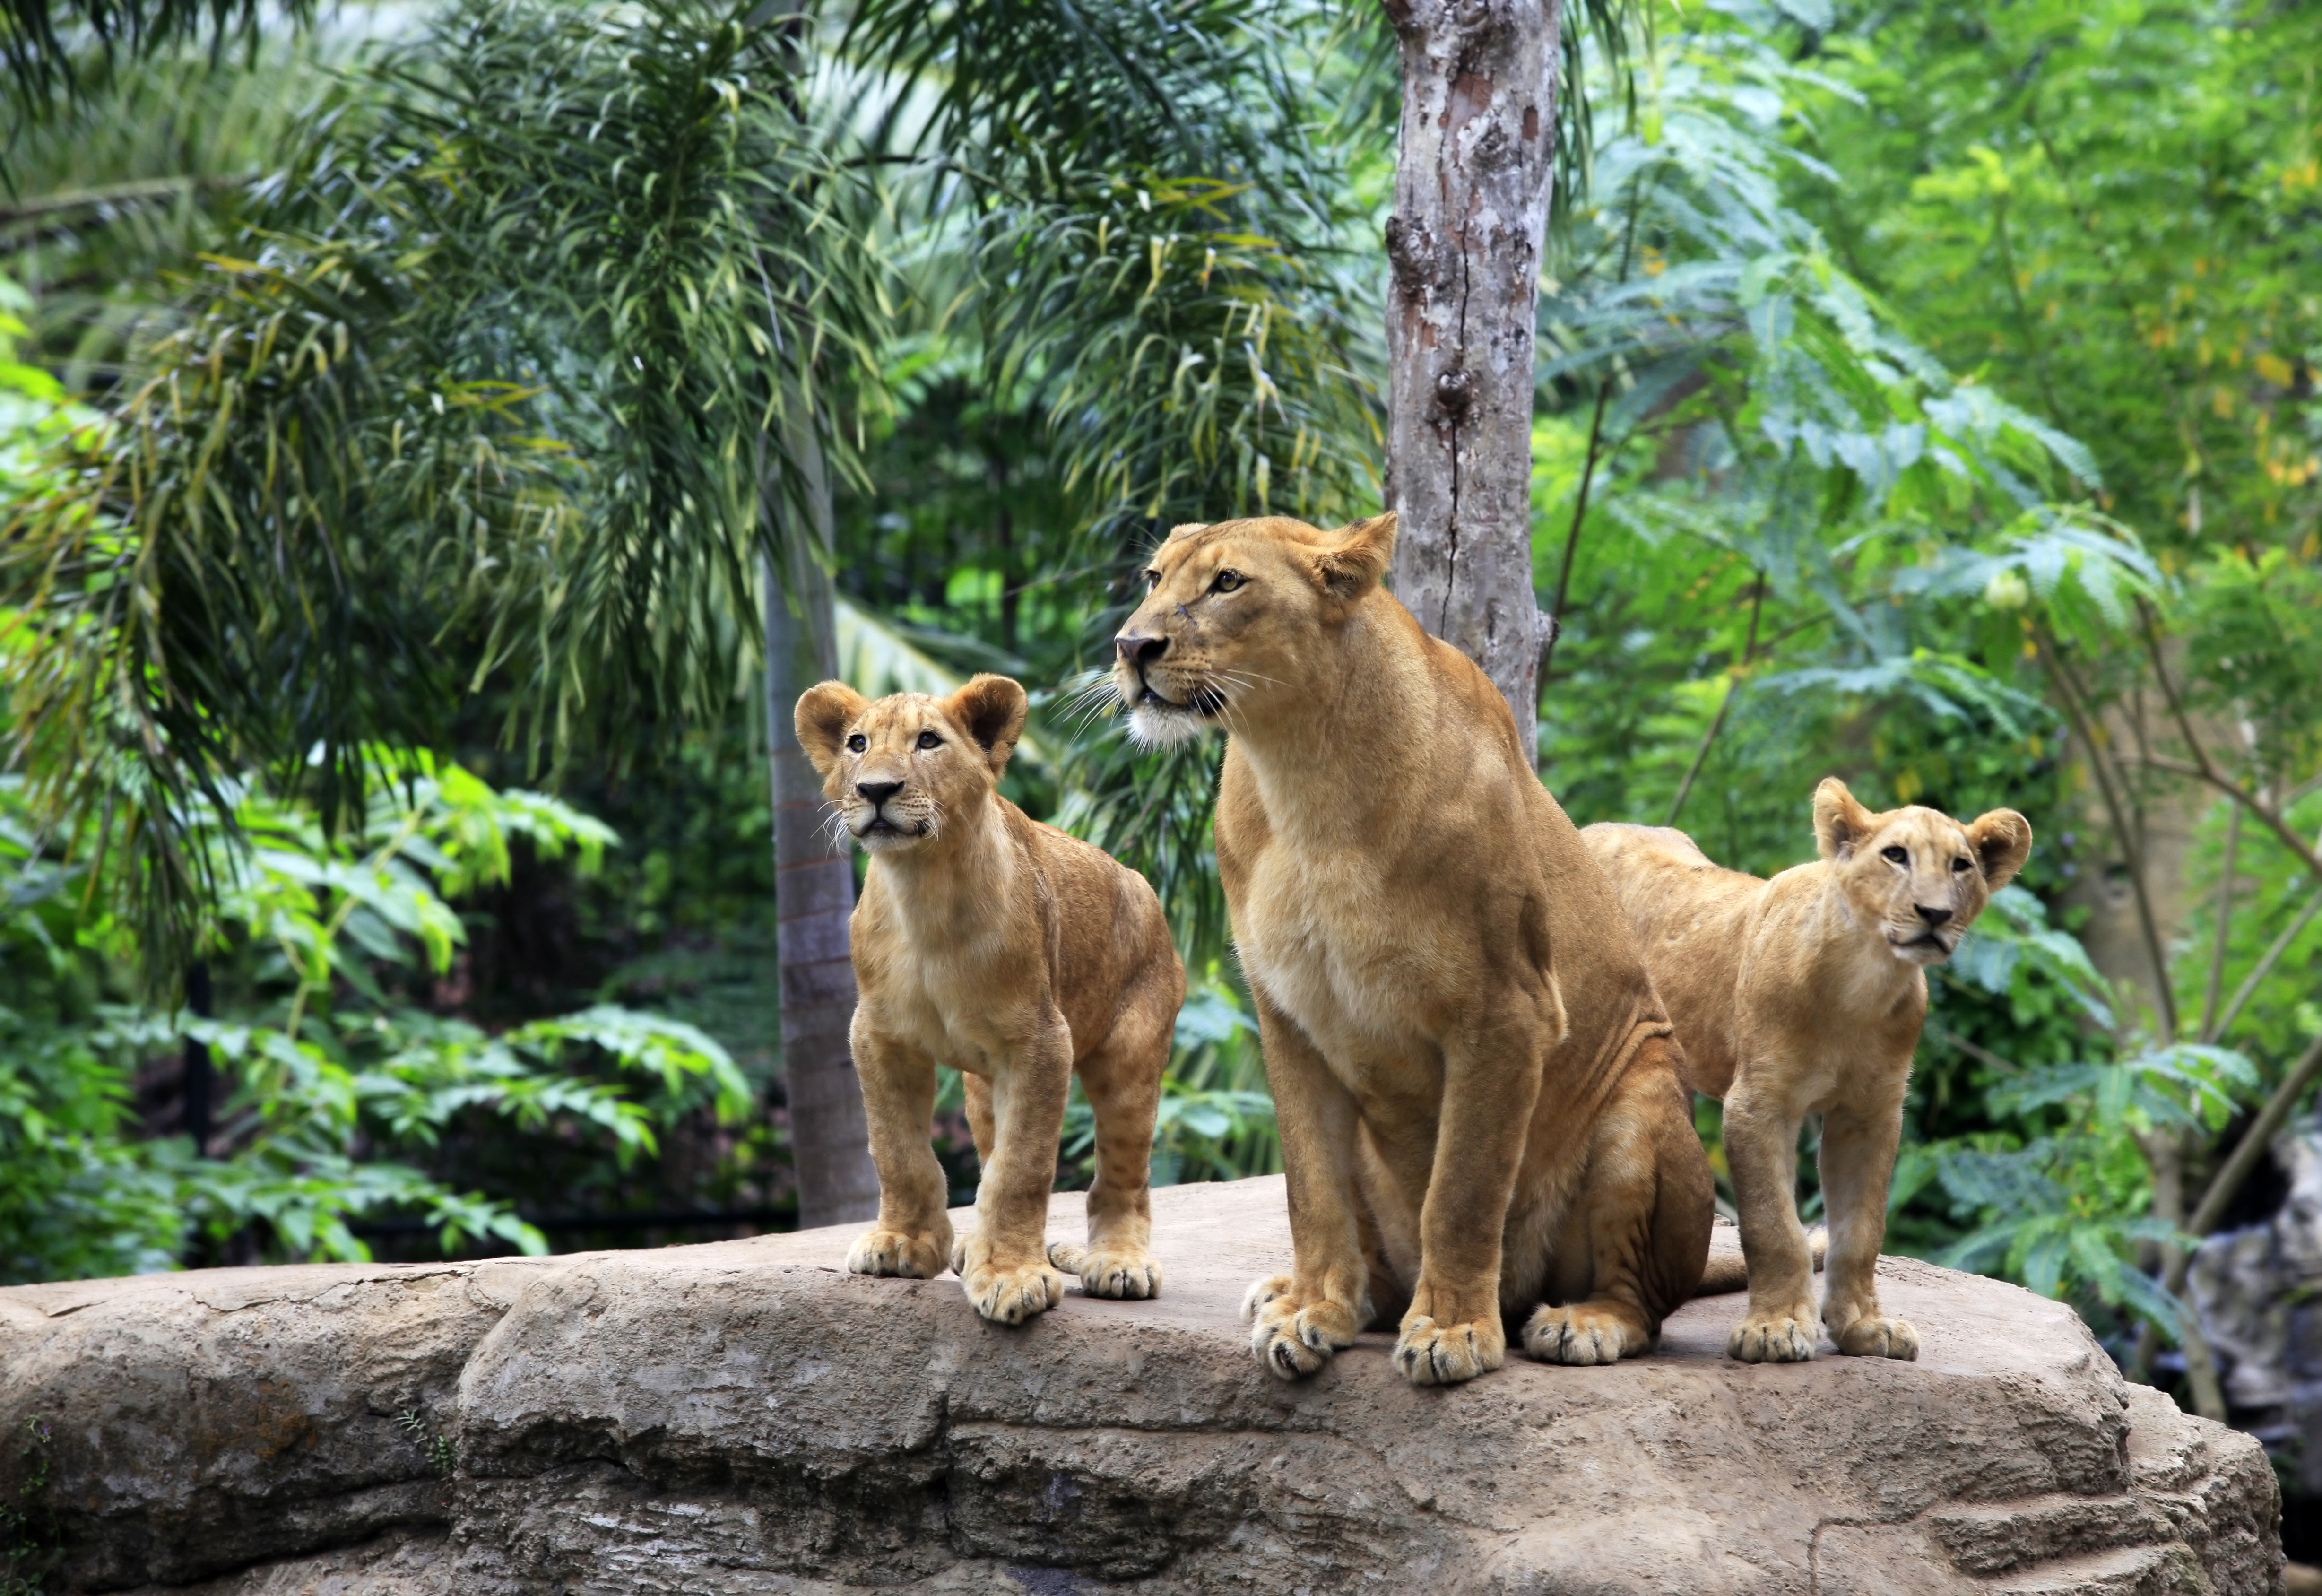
{"x": 814, "y": 886}
{"x": 1471, "y": 189}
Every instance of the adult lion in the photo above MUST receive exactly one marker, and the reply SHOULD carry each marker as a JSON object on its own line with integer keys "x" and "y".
{"x": 1805, "y": 995}
{"x": 1476, "y": 1086}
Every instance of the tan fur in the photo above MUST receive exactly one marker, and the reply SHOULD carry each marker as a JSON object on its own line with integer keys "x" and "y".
{"x": 1477, "y": 1092}
{"x": 1015, "y": 954}
{"x": 1805, "y": 995}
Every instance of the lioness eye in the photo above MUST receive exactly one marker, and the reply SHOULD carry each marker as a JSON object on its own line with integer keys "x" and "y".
{"x": 1958, "y": 865}
{"x": 1227, "y": 580}
{"x": 929, "y": 740}
{"x": 858, "y": 743}
{"x": 1152, "y": 580}
{"x": 1901, "y": 855}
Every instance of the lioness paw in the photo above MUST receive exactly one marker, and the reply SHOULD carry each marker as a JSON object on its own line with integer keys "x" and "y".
{"x": 1009, "y": 1295}
{"x": 1875, "y": 1336}
{"x": 1773, "y": 1338}
{"x": 1294, "y": 1342}
{"x": 1580, "y": 1335}
{"x": 1432, "y": 1353}
{"x": 895, "y": 1252}
{"x": 1109, "y": 1271}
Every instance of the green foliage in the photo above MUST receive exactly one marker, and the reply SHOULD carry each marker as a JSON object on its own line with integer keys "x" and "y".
{"x": 330, "y": 1068}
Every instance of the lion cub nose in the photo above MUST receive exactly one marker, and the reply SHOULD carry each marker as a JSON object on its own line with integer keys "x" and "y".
{"x": 1141, "y": 651}
{"x": 879, "y": 792}
{"x": 1933, "y": 916}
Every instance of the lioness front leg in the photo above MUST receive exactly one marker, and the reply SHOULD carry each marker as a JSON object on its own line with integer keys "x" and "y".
{"x": 1004, "y": 1265}
{"x": 912, "y": 1237}
{"x": 1452, "y": 1331}
{"x": 1762, "y": 1141}
{"x": 1300, "y": 1319}
{"x": 1123, "y": 1082}
{"x": 1858, "y": 1161}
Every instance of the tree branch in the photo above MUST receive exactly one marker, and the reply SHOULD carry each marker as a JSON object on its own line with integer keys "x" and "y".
{"x": 2075, "y": 708}
{"x": 2225, "y": 922}
{"x": 1732, "y": 686}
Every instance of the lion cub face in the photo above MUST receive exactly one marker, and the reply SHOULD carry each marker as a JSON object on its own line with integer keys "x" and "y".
{"x": 1226, "y": 614}
{"x": 895, "y": 770}
{"x": 1916, "y": 876}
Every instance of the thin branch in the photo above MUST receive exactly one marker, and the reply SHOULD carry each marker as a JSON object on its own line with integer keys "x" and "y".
{"x": 1732, "y": 686}
{"x": 2224, "y": 923}
{"x": 2266, "y": 961}
{"x": 1952, "y": 1039}
{"x": 1588, "y": 464}
{"x": 2075, "y": 708}
{"x": 2205, "y": 768}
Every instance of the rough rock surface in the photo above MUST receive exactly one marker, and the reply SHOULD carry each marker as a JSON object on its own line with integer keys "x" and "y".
{"x": 745, "y": 1417}
{"x": 2259, "y": 1293}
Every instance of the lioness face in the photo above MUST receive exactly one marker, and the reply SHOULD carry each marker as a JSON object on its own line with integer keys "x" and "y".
{"x": 1226, "y": 611}
{"x": 1914, "y": 874}
{"x": 893, "y": 770}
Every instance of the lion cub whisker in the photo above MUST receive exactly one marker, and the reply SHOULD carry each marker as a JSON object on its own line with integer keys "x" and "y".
{"x": 1805, "y": 995}
{"x": 1014, "y": 953}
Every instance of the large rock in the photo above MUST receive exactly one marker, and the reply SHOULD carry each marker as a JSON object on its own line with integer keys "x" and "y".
{"x": 744, "y": 1417}
{"x": 2258, "y": 1290}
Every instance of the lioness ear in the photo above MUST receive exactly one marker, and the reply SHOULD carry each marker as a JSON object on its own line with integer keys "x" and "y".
{"x": 825, "y": 711}
{"x": 1183, "y": 529}
{"x": 1840, "y": 822}
{"x": 2002, "y": 840}
{"x": 991, "y": 711}
{"x": 1359, "y": 562}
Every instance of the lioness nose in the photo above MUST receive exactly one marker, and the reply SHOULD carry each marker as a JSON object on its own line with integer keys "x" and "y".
{"x": 1140, "y": 651}
{"x": 879, "y": 792}
{"x": 1933, "y": 916}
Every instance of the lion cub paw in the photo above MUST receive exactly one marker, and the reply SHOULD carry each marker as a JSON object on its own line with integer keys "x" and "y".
{"x": 1432, "y": 1353}
{"x": 1579, "y": 1335}
{"x": 1875, "y": 1336}
{"x": 896, "y": 1253}
{"x": 1109, "y": 1271}
{"x": 1773, "y": 1338}
{"x": 1010, "y": 1293}
{"x": 1294, "y": 1342}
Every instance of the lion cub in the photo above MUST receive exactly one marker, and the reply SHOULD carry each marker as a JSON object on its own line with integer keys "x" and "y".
{"x": 1015, "y": 954}
{"x": 1805, "y": 995}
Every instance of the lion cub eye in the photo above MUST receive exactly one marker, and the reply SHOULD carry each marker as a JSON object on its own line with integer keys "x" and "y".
{"x": 929, "y": 740}
{"x": 858, "y": 743}
{"x": 1227, "y": 580}
{"x": 1900, "y": 855}
{"x": 1958, "y": 865}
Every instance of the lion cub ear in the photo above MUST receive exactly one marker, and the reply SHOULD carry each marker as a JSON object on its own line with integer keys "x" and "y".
{"x": 825, "y": 711}
{"x": 1840, "y": 822}
{"x": 1359, "y": 561}
{"x": 2002, "y": 841}
{"x": 991, "y": 710}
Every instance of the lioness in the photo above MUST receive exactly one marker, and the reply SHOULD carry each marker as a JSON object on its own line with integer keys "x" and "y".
{"x": 1477, "y": 1092}
{"x": 1015, "y": 954}
{"x": 1805, "y": 995}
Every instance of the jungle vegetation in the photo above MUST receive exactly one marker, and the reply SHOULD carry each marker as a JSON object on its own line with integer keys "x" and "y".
{"x": 403, "y": 414}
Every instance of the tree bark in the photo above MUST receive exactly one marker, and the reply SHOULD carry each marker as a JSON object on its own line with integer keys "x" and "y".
{"x": 1473, "y": 165}
{"x": 814, "y": 886}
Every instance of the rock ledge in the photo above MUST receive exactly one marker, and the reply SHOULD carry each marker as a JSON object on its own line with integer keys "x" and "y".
{"x": 744, "y": 1418}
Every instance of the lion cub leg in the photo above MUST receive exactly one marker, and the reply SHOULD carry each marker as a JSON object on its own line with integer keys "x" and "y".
{"x": 1004, "y": 1265}
{"x": 1762, "y": 1141}
{"x": 1299, "y": 1320}
{"x": 912, "y": 1237}
{"x": 1123, "y": 1082}
{"x": 1858, "y": 1161}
